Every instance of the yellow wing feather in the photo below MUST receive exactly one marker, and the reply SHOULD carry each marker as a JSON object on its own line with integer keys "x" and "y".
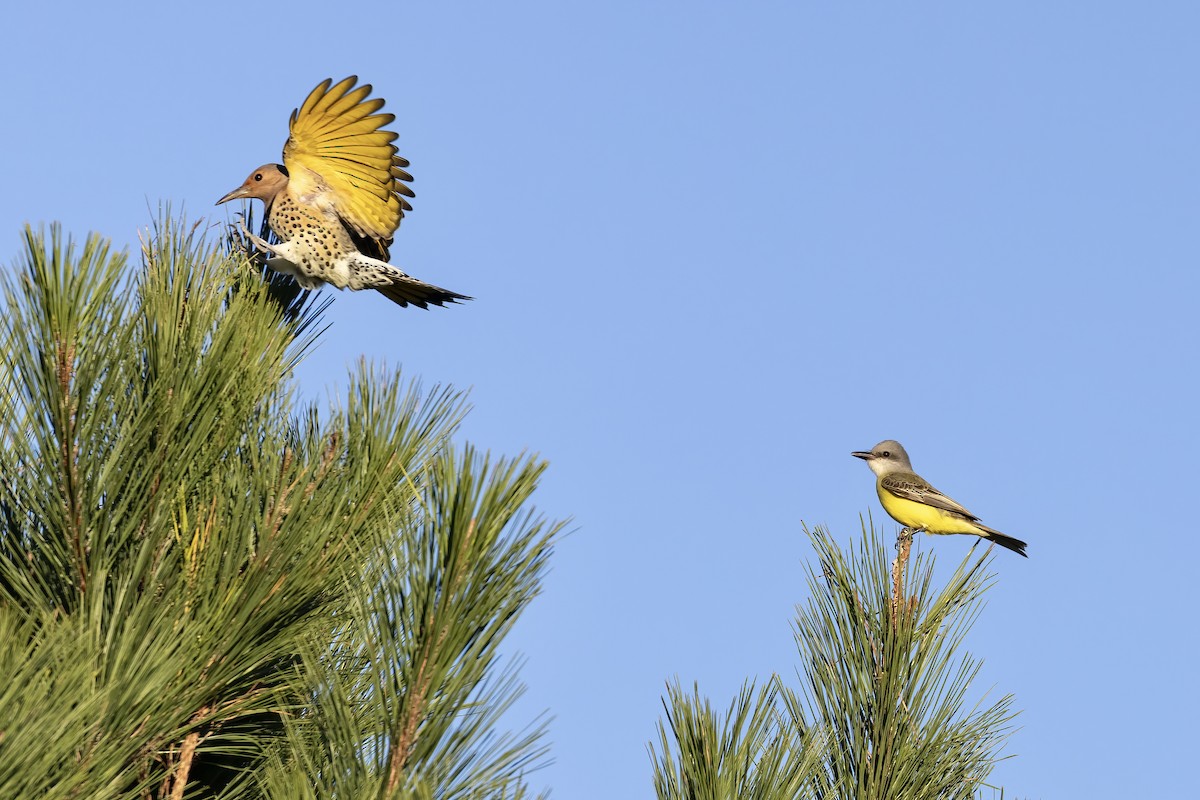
{"x": 339, "y": 157}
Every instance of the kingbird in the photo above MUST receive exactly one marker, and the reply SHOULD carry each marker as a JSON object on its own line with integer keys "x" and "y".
{"x": 910, "y": 500}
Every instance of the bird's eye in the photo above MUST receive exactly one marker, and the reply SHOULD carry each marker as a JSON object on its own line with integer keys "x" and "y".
{"x": 258, "y": 176}
{"x": 887, "y": 454}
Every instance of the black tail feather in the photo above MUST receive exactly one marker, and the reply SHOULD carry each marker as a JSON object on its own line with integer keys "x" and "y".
{"x": 1016, "y": 545}
{"x": 410, "y": 291}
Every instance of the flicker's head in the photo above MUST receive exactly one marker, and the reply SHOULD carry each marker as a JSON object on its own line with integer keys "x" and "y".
{"x": 264, "y": 183}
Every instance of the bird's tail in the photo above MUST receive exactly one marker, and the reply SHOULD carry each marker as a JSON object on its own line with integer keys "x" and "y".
{"x": 1016, "y": 545}
{"x": 410, "y": 291}
{"x": 397, "y": 285}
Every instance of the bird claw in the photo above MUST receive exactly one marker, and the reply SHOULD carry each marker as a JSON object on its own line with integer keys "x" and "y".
{"x": 254, "y": 240}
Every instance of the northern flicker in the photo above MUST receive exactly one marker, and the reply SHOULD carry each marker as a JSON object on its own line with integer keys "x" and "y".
{"x": 339, "y": 195}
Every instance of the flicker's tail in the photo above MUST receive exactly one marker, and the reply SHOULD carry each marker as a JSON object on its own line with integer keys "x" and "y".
{"x": 410, "y": 291}
{"x": 395, "y": 284}
{"x": 1016, "y": 545}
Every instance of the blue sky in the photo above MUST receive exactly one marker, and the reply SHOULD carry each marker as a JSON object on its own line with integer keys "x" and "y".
{"x": 715, "y": 248}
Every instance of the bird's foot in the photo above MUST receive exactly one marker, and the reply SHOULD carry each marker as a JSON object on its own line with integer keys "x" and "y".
{"x": 257, "y": 241}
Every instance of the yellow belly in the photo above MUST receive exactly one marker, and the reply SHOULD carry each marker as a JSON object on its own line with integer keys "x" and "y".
{"x": 912, "y": 514}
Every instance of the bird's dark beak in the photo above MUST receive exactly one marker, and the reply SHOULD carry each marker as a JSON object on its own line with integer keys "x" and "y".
{"x": 864, "y": 456}
{"x": 241, "y": 191}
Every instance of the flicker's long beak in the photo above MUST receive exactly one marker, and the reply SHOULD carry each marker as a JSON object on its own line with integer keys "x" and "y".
{"x": 241, "y": 191}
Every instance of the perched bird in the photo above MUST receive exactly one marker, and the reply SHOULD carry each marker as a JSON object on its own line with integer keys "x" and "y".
{"x": 336, "y": 200}
{"x": 910, "y": 500}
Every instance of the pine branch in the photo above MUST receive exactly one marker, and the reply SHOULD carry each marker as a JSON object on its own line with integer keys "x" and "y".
{"x": 883, "y": 710}
{"x": 893, "y": 694}
{"x": 410, "y": 701}
{"x": 177, "y": 536}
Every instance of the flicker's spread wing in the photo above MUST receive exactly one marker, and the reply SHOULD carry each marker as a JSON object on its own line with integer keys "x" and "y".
{"x": 339, "y": 158}
{"x": 915, "y": 488}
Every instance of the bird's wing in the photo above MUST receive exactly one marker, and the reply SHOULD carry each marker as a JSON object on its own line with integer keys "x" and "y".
{"x": 913, "y": 487}
{"x": 339, "y": 157}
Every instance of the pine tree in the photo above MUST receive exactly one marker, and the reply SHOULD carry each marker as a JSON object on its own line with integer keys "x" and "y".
{"x": 211, "y": 589}
{"x": 883, "y": 712}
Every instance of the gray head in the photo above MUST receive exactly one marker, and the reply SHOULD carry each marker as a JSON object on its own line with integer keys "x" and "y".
{"x": 887, "y": 456}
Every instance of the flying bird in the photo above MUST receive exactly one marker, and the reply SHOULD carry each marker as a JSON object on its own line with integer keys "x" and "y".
{"x": 910, "y": 500}
{"x": 339, "y": 195}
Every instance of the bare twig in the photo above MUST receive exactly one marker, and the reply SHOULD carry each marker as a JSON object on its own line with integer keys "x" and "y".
{"x": 899, "y": 566}
{"x": 186, "y": 753}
